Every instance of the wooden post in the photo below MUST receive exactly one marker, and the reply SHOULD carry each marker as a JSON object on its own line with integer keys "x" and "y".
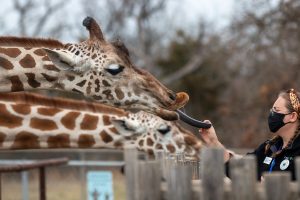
{"x": 131, "y": 167}
{"x": 297, "y": 170}
{"x": 179, "y": 183}
{"x": 277, "y": 185}
{"x": 212, "y": 173}
{"x": 42, "y": 183}
{"x": 0, "y": 186}
{"x": 160, "y": 156}
{"x": 243, "y": 176}
{"x": 149, "y": 180}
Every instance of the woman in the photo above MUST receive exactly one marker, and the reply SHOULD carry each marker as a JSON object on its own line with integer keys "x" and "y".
{"x": 278, "y": 153}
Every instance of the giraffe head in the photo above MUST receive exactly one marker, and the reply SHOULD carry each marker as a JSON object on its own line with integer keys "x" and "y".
{"x": 150, "y": 133}
{"x": 31, "y": 121}
{"x": 103, "y": 71}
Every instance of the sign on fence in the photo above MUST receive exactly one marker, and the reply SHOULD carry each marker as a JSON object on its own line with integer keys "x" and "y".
{"x": 100, "y": 185}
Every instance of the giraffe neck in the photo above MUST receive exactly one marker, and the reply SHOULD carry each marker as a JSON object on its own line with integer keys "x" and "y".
{"x": 27, "y": 69}
{"x": 24, "y": 124}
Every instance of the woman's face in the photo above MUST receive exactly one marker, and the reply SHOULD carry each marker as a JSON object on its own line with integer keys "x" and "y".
{"x": 280, "y": 107}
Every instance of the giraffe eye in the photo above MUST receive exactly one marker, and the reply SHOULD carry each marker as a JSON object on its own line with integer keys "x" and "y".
{"x": 114, "y": 69}
{"x": 164, "y": 129}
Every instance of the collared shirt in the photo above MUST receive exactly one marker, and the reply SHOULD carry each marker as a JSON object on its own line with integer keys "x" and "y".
{"x": 284, "y": 161}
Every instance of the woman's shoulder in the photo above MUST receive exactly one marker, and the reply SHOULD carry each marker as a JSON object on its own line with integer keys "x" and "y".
{"x": 261, "y": 148}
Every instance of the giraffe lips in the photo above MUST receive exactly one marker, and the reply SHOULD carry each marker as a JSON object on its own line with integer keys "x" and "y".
{"x": 181, "y": 99}
{"x": 191, "y": 121}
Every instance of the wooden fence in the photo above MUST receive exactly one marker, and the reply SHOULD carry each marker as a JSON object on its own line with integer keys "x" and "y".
{"x": 170, "y": 177}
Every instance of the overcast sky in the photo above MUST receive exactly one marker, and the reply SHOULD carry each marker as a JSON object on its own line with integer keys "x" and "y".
{"x": 216, "y": 12}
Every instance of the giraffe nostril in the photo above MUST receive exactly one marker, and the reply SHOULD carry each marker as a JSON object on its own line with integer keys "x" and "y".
{"x": 172, "y": 96}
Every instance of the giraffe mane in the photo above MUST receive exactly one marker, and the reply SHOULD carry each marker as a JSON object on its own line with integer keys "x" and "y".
{"x": 59, "y": 102}
{"x": 30, "y": 42}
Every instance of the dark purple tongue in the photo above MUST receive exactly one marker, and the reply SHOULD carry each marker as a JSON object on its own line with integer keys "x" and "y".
{"x": 191, "y": 121}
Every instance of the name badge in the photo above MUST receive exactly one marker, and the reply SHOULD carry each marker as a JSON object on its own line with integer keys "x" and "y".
{"x": 268, "y": 160}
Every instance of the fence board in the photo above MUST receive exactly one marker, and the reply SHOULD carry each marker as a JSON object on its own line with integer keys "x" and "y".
{"x": 148, "y": 180}
{"x": 277, "y": 185}
{"x": 212, "y": 173}
{"x": 179, "y": 183}
{"x": 243, "y": 176}
{"x": 131, "y": 167}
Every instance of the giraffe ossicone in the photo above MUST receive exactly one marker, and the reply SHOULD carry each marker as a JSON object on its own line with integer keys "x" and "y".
{"x": 31, "y": 121}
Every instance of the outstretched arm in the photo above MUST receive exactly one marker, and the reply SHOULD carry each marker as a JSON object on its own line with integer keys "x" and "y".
{"x": 210, "y": 138}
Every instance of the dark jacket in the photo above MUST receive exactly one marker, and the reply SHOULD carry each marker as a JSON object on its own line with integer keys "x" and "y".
{"x": 282, "y": 162}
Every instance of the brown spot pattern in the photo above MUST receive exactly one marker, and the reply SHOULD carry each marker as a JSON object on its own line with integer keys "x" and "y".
{"x": 141, "y": 143}
{"x": 51, "y": 68}
{"x": 43, "y": 124}
{"x": 118, "y": 144}
{"x": 21, "y": 108}
{"x": 6, "y": 64}
{"x": 59, "y": 141}
{"x": 97, "y": 82}
{"x": 119, "y": 93}
{"x": 49, "y": 78}
{"x": 106, "y": 120}
{"x": 27, "y": 62}
{"x": 31, "y": 80}
{"x": 78, "y": 91}
{"x": 89, "y": 122}
{"x": 69, "y": 120}
{"x": 105, "y": 83}
{"x": 105, "y": 137}
{"x": 48, "y": 111}
{"x": 11, "y": 52}
{"x": 114, "y": 130}
{"x": 150, "y": 142}
{"x": 171, "y": 148}
{"x": 16, "y": 84}
{"x": 46, "y": 58}
{"x": 158, "y": 146}
{"x": 85, "y": 141}
{"x": 39, "y": 52}
{"x": 81, "y": 84}
{"x": 7, "y": 119}
{"x": 26, "y": 140}
{"x": 189, "y": 140}
{"x": 70, "y": 77}
{"x": 108, "y": 94}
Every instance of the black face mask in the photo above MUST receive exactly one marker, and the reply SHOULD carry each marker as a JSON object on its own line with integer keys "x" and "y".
{"x": 275, "y": 121}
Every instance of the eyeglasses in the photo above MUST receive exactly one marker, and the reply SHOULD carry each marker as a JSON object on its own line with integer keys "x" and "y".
{"x": 272, "y": 112}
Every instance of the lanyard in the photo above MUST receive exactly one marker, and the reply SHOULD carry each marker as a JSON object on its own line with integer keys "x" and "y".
{"x": 272, "y": 165}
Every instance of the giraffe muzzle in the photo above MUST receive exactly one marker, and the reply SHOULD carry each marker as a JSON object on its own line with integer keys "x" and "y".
{"x": 180, "y": 100}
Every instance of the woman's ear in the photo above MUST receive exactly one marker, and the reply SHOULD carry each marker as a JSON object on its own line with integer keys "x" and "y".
{"x": 294, "y": 117}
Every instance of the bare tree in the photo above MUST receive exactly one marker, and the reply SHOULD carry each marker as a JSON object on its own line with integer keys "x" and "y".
{"x": 35, "y": 17}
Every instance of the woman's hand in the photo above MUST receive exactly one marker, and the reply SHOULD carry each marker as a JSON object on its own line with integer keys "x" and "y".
{"x": 209, "y": 136}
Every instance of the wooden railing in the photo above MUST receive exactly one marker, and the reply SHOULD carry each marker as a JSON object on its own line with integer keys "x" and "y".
{"x": 171, "y": 177}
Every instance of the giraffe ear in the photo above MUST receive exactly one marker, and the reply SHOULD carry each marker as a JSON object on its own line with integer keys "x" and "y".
{"x": 68, "y": 62}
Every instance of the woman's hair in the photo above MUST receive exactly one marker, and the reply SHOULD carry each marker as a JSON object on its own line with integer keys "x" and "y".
{"x": 292, "y": 99}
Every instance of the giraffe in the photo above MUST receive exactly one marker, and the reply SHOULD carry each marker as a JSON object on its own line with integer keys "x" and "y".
{"x": 96, "y": 68}
{"x": 32, "y": 121}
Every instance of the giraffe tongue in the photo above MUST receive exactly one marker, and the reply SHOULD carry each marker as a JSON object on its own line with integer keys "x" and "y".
{"x": 181, "y": 99}
{"x": 191, "y": 121}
